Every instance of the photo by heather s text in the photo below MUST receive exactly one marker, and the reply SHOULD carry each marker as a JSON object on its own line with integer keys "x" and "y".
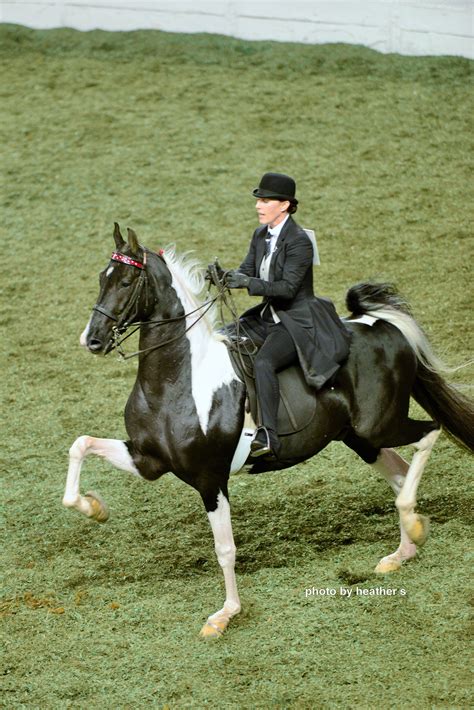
{"x": 355, "y": 592}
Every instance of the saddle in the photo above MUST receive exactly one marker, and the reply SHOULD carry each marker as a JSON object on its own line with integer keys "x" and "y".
{"x": 297, "y": 405}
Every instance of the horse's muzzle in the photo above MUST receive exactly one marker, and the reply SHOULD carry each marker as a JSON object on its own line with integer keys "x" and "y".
{"x": 99, "y": 347}
{"x": 94, "y": 342}
{"x": 95, "y": 346}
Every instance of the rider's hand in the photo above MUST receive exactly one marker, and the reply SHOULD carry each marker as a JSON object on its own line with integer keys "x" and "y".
{"x": 214, "y": 273}
{"x": 234, "y": 279}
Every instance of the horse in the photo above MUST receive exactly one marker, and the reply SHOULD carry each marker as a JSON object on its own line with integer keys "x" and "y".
{"x": 187, "y": 409}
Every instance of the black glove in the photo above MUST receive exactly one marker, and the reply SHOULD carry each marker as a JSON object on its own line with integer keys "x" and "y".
{"x": 214, "y": 273}
{"x": 234, "y": 279}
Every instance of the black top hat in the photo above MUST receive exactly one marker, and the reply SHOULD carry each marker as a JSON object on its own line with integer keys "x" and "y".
{"x": 277, "y": 186}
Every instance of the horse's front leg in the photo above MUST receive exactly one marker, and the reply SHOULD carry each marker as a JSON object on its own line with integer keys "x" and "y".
{"x": 221, "y": 525}
{"x": 114, "y": 451}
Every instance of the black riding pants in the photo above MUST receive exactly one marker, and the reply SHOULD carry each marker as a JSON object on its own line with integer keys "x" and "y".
{"x": 277, "y": 352}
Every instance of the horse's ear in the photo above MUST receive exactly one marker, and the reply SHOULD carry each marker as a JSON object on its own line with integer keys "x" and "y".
{"x": 133, "y": 241}
{"x": 119, "y": 240}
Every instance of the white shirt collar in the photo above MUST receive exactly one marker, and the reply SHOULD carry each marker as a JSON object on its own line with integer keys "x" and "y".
{"x": 275, "y": 231}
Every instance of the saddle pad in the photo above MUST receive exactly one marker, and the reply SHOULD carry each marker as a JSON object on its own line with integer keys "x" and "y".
{"x": 365, "y": 319}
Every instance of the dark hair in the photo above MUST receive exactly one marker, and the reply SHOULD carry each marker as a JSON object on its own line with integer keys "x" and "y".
{"x": 292, "y": 208}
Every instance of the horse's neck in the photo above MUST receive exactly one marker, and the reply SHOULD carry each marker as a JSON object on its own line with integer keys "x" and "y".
{"x": 188, "y": 362}
{"x": 164, "y": 348}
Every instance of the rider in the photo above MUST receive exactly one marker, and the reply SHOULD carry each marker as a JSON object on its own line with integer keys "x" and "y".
{"x": 293, "y": 323}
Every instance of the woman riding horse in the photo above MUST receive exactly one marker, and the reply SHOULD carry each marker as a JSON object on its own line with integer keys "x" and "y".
{"x": 293, "y": 324}
{"x": 186, "y": 411}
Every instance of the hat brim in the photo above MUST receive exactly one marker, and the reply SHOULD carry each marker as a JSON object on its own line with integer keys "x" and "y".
{"x": 258, "y": 192}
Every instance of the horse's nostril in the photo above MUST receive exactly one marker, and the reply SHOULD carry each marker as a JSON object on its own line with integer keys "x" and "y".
{"x": 94, "y": 345}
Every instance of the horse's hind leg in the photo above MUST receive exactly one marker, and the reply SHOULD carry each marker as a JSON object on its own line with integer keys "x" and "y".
{"x": 415, "y": 525}
{"x": 394, "y": 469}
{"x": 404, "y": 480}
{"x": 114, "y": 451}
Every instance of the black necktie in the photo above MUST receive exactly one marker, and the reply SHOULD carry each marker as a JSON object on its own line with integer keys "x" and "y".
{"x": 268, "y": 246}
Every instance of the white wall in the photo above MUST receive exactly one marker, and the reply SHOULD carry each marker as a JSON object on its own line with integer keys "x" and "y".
{"x": 403, "y": 26}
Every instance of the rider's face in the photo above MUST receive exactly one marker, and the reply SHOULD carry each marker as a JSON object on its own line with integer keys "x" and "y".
{"x": 271, "y": 212}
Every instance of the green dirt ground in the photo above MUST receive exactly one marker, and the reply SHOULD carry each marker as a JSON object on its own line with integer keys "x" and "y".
{"x": 168, "y": 134}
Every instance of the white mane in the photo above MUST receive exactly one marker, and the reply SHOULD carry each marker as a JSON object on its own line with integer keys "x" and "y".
{"x": 188, "y": 281}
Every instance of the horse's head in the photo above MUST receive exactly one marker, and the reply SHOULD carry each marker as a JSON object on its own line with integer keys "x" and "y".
{"x": 125, "y": 295}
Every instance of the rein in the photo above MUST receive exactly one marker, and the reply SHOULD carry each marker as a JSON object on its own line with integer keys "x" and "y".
{"x": 117, "y": 332}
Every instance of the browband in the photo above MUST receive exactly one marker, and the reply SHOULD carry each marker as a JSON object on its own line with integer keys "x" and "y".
{"x": 116, "y": 256}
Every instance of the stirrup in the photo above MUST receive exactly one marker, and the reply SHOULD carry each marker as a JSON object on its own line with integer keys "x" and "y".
{"x": 257, "y": 448}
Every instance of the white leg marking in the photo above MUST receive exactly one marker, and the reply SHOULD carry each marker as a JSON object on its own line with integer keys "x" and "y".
{"x": 405, "y": 480}
{"x": 406, "y": 499}
{"x": 113, "y": 450}
{"x": 225, "y": 550}
{"x": 394, "y": 469}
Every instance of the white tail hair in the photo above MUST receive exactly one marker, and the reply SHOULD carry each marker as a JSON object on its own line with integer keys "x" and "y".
{"x": 416, "y": 338}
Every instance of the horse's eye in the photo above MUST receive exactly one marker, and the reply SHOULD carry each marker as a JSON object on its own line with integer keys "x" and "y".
{"x": 125, "y": 284}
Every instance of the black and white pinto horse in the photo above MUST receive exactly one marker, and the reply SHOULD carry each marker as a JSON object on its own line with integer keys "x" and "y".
{"x": 186, "y": 411}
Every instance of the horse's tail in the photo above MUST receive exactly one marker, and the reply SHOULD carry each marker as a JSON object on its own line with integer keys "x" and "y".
{"x": 442, "y": 401}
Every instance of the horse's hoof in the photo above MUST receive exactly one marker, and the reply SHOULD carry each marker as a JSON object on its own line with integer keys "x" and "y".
{"x": 387, "y": 565}
{"x": 99, "y": 510}
{"x": 213, "y": 629}
{"x": 417, "y": 529}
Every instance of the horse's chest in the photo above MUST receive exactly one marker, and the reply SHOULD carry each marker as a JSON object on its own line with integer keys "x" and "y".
{"x": 177, "y": 421}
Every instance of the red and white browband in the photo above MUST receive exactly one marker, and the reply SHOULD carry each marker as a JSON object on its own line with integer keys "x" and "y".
{"x": 116, "y": 256}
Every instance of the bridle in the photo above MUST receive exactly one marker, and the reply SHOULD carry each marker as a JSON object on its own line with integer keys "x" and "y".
{"x": 131, "y": 308}
{"x": 126, "y": 319}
